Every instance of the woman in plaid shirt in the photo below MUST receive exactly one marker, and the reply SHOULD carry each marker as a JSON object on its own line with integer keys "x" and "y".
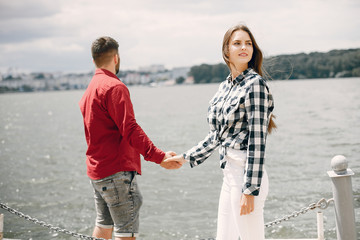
{"x": 239, "y": 116}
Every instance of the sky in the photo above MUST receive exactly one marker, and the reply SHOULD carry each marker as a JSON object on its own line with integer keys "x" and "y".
{"x": 56, "y": 35}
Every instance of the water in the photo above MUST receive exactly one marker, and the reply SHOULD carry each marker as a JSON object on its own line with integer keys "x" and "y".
{"x": 43, "y": 173}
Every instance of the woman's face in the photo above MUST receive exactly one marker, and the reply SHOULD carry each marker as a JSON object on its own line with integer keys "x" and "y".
{"x": 240, "y": 49}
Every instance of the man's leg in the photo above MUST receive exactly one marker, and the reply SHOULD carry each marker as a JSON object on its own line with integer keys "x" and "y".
{"x": 118, "y": 205}
{"x": 104, "y": 224}
{"x": 126, "y": 215}
{"x": 107, "y": 234}
{"x": 102, "y": 232}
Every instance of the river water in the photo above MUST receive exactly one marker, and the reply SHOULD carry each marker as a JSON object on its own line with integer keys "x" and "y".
{"x": 43, "y": 172}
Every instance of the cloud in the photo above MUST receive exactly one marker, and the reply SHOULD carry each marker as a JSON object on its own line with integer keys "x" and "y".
{"x": 27, "y": 9}
{"x": 58, "y": 33}
{"x": 25, "y": 20}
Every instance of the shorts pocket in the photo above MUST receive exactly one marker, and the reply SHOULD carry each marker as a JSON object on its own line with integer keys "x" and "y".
{"x": 108, "y": 191}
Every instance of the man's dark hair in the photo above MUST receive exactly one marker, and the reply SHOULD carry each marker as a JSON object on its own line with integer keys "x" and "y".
{"x": 103, "y": 49}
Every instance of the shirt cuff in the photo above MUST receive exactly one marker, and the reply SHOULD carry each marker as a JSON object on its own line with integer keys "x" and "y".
{"x": 252, "y": 190}
{"x": 157, "y": 156}
{"x": 188, "y": 159}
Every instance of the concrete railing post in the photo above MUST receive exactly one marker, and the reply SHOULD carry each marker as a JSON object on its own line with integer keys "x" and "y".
{"x": 320, "y": 225}
{"x": 343, "y": 198}
{"x": 1, "y": 226}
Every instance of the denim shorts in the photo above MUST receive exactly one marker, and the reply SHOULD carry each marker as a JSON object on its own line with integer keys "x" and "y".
{"x": 118, "y": 201}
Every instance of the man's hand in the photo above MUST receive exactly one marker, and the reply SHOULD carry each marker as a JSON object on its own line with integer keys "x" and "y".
{"x": 246, "y": 204}
{"x": 179, "y": 159}
{"x": 170, "y": 164}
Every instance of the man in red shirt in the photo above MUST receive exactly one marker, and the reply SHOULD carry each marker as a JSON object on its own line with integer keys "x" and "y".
{"x": 115, "y": 142}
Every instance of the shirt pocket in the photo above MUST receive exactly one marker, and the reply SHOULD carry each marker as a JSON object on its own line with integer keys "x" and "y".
{"x": 213, "y": 111}
{"x": 213, "y": 108}
{"x": 233, "y": 105}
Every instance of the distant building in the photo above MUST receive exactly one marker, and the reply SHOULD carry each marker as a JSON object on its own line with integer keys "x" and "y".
{"x": 152, "y": 68}
{"x": 180, "y": 72}
{"x": 160, "y": 76}
{"x": 154, "y": 75}
{"x": 132, "y": 78}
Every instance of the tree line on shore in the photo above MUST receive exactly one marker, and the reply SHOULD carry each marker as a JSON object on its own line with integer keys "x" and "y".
{"x": 332, "y": 64}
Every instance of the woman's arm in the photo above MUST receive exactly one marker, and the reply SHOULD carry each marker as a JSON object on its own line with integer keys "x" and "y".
{"x": 257, "y": 112}
{"x": 199, "y": 153}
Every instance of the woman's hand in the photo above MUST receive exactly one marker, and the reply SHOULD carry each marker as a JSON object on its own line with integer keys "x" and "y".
{"x": 246, "y": 204}
{"x": 179, "y": 159}
{"x": 170, "y": 164}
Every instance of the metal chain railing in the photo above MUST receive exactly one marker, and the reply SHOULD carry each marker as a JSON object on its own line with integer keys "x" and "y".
{"x": 51, "y": 227}
{"x": 322, "y": 204}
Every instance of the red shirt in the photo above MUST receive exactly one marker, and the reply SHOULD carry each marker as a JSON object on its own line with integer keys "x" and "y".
{"x": 115, "y": 141}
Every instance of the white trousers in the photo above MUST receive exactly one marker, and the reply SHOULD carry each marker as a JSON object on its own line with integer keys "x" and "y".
{"x": 231, "y": 225}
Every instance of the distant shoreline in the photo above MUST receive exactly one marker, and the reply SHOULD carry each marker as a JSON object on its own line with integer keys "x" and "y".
{"x": 30, "y": 90}
{"x": 315, "y": 65}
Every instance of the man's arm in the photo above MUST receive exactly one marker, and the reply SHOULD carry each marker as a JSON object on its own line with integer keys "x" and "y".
{"x": 120, "y": 108}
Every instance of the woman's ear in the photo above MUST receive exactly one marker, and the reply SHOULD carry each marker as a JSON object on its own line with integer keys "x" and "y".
{"x": 227, "y": 51}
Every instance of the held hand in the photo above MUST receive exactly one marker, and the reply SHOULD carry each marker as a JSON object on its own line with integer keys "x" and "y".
{"x": 170, "y": 165}
{"x": 179, "y": 159}
{"x": 246, "y": 204}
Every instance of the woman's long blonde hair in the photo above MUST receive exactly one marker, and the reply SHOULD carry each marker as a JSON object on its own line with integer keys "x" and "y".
{"x": 255, "y": 62}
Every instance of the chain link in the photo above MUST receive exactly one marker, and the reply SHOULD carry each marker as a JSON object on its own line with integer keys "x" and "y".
{"x": 322, "y": 204}
{"x": 51, "y": 227}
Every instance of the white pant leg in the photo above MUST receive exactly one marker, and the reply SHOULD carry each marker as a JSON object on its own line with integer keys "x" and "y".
{"x": 226, "y": 224}
{"x": 230, "y": 223}
{"x": 251, "y": 226}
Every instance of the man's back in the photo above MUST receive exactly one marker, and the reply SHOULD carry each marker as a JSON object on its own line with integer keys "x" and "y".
{"x": 103, "y": 108}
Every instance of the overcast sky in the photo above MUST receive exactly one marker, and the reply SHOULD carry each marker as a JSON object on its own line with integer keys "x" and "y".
{"x": 56, "y": 35}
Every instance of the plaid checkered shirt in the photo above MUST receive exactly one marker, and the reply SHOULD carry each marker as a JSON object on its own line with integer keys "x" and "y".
{"x": 238, "y": 116}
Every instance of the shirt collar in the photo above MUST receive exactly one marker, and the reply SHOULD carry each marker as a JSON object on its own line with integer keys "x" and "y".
{"x": 104, "y": 71}
{"x": 239, "y": 78}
